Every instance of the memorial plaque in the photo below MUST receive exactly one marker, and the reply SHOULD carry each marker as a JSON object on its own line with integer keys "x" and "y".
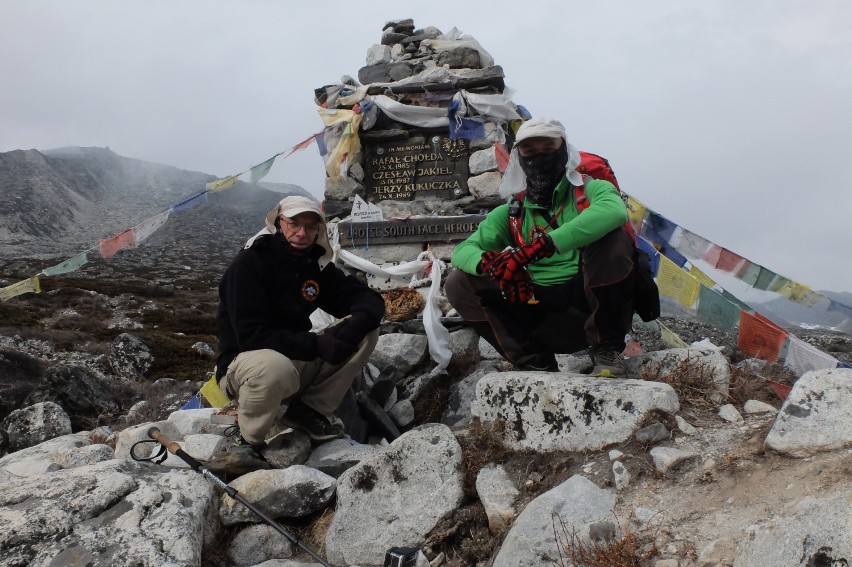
{"x": 426, "y": 229}
{"x": 434, "y": 166}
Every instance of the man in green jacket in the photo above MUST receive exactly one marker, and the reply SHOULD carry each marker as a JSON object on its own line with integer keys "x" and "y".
{"x": 555, "y": 280}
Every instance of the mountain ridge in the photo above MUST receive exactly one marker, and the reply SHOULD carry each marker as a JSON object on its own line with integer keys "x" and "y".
{"x": 59, "y": 201}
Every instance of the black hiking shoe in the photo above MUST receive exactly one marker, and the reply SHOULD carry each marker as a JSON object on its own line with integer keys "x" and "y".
{"x": 608, "y": 362}
{"x": 308, "y": 420}
{"x": 539, "y": 363}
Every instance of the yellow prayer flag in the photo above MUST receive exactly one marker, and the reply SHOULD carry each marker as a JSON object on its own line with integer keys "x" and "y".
{"x": 800, "y": 293}
{"x": 214, "y": 396}
{"x": 702, "y": 277}
{"x": 670, "y": 338}
{"x": 636, "y": 211}
{"x": 677, "y": 284}
{"x": 222, "y": 184}
{"x": 31, "y": 285}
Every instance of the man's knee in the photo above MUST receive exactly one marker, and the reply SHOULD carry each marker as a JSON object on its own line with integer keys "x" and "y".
{"x": 454, "y": 287}
{"x": 268, "y": 371}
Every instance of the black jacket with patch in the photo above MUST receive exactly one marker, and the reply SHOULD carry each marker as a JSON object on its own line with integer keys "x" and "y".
{"x": 268, "y": 293}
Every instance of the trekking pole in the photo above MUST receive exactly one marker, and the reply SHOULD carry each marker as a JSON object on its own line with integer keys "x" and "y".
{"x": 175, "y": 449}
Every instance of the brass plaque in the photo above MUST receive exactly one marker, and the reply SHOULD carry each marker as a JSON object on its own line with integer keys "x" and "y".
{"x": 428, "y": 229}
{"x": 435, "y": 167}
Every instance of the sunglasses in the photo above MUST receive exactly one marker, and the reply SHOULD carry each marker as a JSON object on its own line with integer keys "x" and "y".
{"x": 297, "y": 226}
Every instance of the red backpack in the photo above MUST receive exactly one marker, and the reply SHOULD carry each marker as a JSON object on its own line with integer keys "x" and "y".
{"x": 592, "y": 166}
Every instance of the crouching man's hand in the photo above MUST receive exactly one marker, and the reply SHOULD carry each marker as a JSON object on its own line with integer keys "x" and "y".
{"x": 332, "y": 349}
{"x": 353, "y": 329}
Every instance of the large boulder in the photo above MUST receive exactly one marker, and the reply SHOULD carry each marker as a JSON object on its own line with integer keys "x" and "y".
{"x": 568, "y": 509}
{"x": 395, "y": 498}
{"x": 816, "y": 416}
{"x": 116, "y": 513}
{"x": 34, "y": 424}
{"x": 547, "y": 411}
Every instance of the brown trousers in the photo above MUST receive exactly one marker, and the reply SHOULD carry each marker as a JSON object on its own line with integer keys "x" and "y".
{"x": 592, "y": 309}
{"x": 261, "y": 380}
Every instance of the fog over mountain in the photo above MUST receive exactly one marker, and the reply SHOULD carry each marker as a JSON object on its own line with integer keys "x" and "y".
{"x": 63, "y": 201}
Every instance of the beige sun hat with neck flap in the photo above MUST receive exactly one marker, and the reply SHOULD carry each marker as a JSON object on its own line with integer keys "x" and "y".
{"x": 293, "y": 206}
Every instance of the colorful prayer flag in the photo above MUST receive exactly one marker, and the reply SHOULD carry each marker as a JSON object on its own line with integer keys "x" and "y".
{"x": 764, "y": 278}
{"x": 146, "y": 228}
{"x": 199, "y": 198}
{"x": 669, "y": 338}
{"x": 728, "y": 261}
{"x": 110, "y": 247}
{"x": 637, "y": 212}
{"x": 800, "y": 293}
{"x": 715, "y": 310}
{"x": 222, "y": 184}
{"x": 677, "y": 284}
{"x": 31, "y": 285}
{"x": 213, "y": 394}
{"x": 690, "y": 244}
{"x": 759, "y": 338}
{"x": 653, "y": 254}
{"x": 662, "y": 226}
{"x": 259, "y": 171}
{"x": 802, "y": 357}
{"x": 701, "y": 277}
{"x": 69, "y": 265}
{"x": 748, "y": 272}
{"x": 501, "y": 156}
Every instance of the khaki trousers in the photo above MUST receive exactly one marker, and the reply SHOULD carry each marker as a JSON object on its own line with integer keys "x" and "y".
{"x": 260, "y": 381}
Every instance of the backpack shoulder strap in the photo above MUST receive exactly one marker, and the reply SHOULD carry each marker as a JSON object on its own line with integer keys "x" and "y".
{"x": 580, "y": 198}
{"x": 516, "y": 217}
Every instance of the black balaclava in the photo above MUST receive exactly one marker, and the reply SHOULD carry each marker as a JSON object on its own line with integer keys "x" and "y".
{"x": 544, "y": 172}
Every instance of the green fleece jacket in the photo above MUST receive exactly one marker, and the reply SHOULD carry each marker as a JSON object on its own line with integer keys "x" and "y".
{"x": 605, "y": 213}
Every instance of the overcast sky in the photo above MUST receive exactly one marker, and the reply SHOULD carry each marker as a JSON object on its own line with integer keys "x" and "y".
{"x": 731, "y": 118}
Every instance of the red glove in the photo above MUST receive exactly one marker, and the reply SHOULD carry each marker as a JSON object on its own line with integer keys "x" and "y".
{"x": 518, "y": 289}
{"x": 487, "y": 261}
{"x": 510, "y": 262}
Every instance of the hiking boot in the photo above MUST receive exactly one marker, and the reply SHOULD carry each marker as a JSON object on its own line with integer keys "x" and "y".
{"x": 608, "y": 361}
{"x": 539, "y": 363}
{"x": 238, "y": 444}
{"x": 308, "y": 420}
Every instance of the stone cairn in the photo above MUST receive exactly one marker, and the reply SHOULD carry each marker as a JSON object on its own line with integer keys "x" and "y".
{"x": 432, "y": 182}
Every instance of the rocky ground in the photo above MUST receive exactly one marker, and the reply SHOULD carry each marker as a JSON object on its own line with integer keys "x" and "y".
{"x": 689, "y": 513}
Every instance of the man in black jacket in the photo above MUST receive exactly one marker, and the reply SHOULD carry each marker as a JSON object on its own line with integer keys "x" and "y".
{"x": 268, "y": 354}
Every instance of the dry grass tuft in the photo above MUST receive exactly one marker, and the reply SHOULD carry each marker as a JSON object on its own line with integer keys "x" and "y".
{"x": 481, "y": 445}
{"x": 691, "y": 379}
{"x": 628, "y": 549}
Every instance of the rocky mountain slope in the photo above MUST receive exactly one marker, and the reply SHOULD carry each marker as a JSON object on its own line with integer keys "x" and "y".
{"x": 65, "y": 200}
{"x": 89, "y": 364}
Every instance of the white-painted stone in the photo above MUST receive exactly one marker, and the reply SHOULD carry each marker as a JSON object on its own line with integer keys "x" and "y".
{"x": 497, "y": 493}
{"x": 669, "y": 458}
{"x": 573, "y": 505}
{"x": 816, "y": 416}
{"x": 395, "y": 498}
{"x": 558, "y": 411}
{"x": 756, "y": 406}
{"x": 730, "y": 414}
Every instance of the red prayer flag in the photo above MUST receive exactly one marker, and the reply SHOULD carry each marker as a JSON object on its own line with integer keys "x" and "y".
{"x": 109, "y": 247}
{"x": 760, "y": 337}
{"x": 502, "y": 157}
{"x": 728, "y": 261}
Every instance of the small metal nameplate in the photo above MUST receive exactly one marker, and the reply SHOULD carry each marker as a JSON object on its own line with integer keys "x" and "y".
{"x": 429, "y": 229}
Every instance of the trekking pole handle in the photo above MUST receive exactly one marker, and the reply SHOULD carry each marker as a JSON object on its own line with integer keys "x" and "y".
{"x": 171, "y": 446}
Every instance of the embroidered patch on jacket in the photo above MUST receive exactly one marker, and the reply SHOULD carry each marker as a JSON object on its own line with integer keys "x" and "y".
{"x": 537, "y": 231}
{"x": 310, "y": 290}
